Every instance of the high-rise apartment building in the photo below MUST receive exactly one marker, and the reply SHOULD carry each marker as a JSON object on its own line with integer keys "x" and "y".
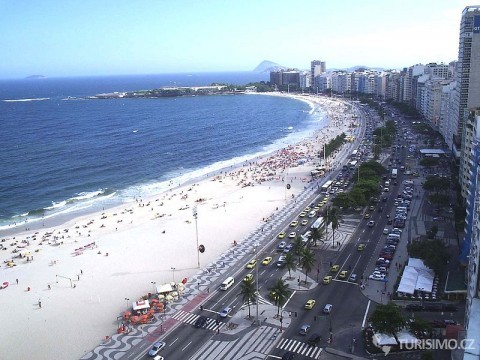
{"x": 317, "y": 68}
{"x": 468, "y": 88}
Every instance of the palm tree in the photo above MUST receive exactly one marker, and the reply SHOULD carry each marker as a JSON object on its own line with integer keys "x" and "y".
{"x": 297, "y": 246}
{"x": 248, "y": 292}
{"x": 334, "y": 217}
{"x": 317, "y": 234}
{"x": 307, "y": 261}
{"x": 326, "y": 221}
{"x": 280, "y": 292}
{"x": 290, "y": 263}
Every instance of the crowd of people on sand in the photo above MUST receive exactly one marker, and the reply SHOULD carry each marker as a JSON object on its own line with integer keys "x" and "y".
{"x": 272, "y": 168}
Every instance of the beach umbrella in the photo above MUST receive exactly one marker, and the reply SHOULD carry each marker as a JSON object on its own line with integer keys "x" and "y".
{"x": 169, "y": 297}
{"x": 154, "y": 301}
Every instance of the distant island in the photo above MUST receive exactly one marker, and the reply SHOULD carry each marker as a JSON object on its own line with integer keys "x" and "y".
{"x": 35, "y": 77}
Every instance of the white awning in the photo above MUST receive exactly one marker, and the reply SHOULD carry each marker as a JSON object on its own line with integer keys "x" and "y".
{"x": 141, "y": 305}
{"x": 164, "y": 288}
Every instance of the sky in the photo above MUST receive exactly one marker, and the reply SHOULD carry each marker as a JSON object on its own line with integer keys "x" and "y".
{"x": 90, "y": 37}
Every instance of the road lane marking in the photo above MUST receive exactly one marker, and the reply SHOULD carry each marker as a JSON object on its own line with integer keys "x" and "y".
{"x": 186, "y": 346}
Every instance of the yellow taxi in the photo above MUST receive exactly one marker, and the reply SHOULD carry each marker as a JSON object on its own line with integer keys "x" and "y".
{"x": 304, "y": 222}
{"x": 366, "y": 216}
{"x": 267, "y": 260}
{"x": 251, "y": 264}
{"x": 335, "y": 268}
{"x": 327, "y": 279}
{"x": 343, "y": 274}
{"x": 310, "y": 304}
{"x": 307, "y": 209}
{"x": 281, "y": 235}
{"x": 303, "y": 214}
{"x": 294, "y": 223}
{"x": 361, "y": 247}
{"x": 248, "y": 278}
{"x": 316, "y": 208}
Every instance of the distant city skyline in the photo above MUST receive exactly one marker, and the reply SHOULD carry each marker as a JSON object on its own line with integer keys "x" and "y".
{"x": 87, "y": 38}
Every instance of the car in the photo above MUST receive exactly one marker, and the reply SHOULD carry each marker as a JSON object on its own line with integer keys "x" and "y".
{"x": 313, "y": 339}
{"x": 361, "y": 247}
{"x": 386, "y": 231}
{"x": 353, "y": 278}
{"x": 343, "y": 274}
{"x": 307, "y": 209}
{"x": 292, "y": 235}
{"x": 304, "y": 222}
{"x": 366, "y": 216}
{"x": 303, "y": 214}
{"x": 281, "y": 246}
{"x": 288, "y": 356}
{"x": 281, "y": 261}
{"x": 252, "y": 264}
{"x": 310, "y": 304}
{"x": 158, "y": 357}
{"x": 294, "y": 223}
{"x": 327, "y": 309}
{"x": 201, "y": 322}
{"x": 327, "y": 279}
{"x": 288, "y": 248}
{"x": 304, "y": 329}
{"x": 377, "y": 276}
{"x": 156, "y": 348}
{"x": 386, "y": 189}
{"x": 371, "y": 208}
{"x": 267, "y": 260}
{"x": 371, "y": 223}
{"x": 281, "y": 235}
{"x": 248, "y": 278}
{"x": 335, "y": 268}
{"x": 224, "y": 313}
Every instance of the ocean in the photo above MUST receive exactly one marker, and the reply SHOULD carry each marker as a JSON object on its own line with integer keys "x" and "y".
{"x": 62, "y": 155}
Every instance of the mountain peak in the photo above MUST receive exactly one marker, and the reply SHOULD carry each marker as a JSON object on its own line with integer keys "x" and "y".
{"x": 267, "y": 66}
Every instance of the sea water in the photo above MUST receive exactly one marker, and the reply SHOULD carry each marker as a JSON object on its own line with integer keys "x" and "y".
{"x": 62, "y": 154}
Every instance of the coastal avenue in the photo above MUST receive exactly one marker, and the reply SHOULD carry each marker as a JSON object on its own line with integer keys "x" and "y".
{"x": 184, "y": 341}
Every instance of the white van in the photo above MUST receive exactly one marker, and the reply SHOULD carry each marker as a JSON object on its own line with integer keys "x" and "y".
{"x": 402, "y": 209}
{"x": 393, "y": 236}
{"x": 312, "y": 214}
{"x": 227, "y": 283}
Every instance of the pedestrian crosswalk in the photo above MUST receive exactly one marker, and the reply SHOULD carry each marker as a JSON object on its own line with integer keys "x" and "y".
{"x": 189, "y": 318}
{"x": 300, "y": 347}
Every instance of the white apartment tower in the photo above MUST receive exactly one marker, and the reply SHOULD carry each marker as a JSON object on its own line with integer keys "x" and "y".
{"x": 468, "y": 88}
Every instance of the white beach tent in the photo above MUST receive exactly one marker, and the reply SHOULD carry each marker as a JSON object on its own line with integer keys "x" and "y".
{"x": 380, "y": 340}
{"x": 408, "y": 280}
{"x": 416, "y": 276}
{"x": 141, "y": 305}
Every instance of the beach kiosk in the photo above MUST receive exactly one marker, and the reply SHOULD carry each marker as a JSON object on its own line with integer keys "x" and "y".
{"x": 141, "y": 306}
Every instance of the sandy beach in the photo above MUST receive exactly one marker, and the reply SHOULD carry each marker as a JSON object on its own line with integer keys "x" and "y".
{"x": 68, "y": 284}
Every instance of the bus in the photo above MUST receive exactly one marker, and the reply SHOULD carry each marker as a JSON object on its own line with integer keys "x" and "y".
{"x": 352, "y": 164}
{"x": 326, "y": 187}
{"x": 354, "y": 154}
{"x": 320, "y": 222}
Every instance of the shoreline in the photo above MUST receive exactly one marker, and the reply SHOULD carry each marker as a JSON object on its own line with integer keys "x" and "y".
{"x": 140, "y": 238}
{"x": 58, "y": 219}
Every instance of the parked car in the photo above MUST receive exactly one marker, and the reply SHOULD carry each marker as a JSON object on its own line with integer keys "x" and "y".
{"x": 281, "y": 246}
{"x": 353, "y": 278}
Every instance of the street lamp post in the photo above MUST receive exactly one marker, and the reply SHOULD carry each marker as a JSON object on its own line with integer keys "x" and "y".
{"x": 127, "y": 300}
{"x": 173, "y": 273}
{"x": 195, "y": 216}
{"x": 256, "y": 282}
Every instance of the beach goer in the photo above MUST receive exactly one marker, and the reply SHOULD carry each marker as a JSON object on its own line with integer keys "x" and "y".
{"x": 39, "y": 304}
{"x": 16, "y": 281}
